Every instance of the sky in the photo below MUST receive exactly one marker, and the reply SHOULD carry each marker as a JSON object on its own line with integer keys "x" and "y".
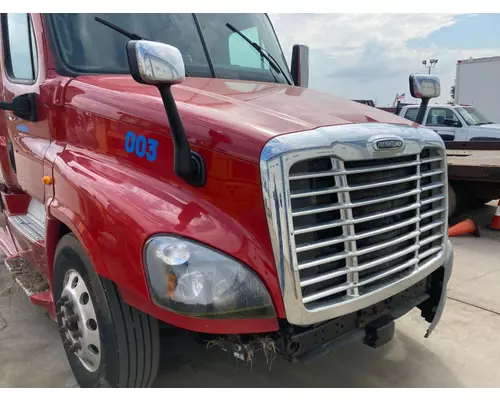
{"x": 370, "y": 56}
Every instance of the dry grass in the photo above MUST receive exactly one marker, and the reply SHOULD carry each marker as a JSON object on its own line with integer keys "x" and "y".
{"x": 248, "y": 350}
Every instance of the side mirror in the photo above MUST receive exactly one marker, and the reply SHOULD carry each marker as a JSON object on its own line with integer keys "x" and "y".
{"x": 300, "y": 65}
{"x": 424, "y": 87}
{"x": 155, "y": 63}
{"x": 161, "y": 65}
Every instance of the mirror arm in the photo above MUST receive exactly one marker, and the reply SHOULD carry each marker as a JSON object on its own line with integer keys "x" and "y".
{"x": 188, "y": 164}
{"x": 6, "y": 106}
{"x": 421, "y": 111}
{"x": 23, "y": 106}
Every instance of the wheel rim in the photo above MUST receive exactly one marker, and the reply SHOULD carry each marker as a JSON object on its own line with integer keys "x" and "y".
{"x": 78, "y": 322}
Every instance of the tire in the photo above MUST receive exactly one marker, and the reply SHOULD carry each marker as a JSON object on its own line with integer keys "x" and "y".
{"x": 121, "y": 348}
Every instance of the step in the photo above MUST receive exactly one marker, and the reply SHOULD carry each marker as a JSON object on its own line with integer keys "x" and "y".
{"x": 29, "y": 226}
{"x": 32, "y": 224}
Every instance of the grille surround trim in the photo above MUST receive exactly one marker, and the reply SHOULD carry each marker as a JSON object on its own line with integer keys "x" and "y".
{"x": 345, "y": 143}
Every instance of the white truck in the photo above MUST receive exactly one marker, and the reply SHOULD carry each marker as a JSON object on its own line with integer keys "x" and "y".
{"x": 477, "y": 85}
{"x": 455, "y": 123}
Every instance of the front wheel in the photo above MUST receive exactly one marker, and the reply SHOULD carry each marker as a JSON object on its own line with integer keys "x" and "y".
{"x": 107, "y": 342}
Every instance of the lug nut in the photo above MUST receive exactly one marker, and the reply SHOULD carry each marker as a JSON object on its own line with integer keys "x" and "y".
{"x": 73, "y": 323}
{"x": 62, "y": 300}
{"x": 60, "y": 314}
{"x": 63, "y": 329}
{"x": 73, "y": 318}
{"x": 75, "y": 347}
{"x": 67, "y": 344}
{"x": 68, "y": 304}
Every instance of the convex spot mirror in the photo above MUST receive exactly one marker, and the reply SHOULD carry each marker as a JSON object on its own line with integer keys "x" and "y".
{"x": 155, "y": 63}
{"x": 424, "y": 86}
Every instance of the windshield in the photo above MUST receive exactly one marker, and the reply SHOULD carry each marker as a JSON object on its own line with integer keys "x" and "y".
{"x": 208, "y": 46}
{"x": 472, "y": 116}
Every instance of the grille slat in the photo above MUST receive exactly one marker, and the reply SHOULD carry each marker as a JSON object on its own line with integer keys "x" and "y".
{"x": 324, "y": 260}
{"x": 363, "y": 203}
{"x": 430, "y": 160}
{"x": 385, "y": 259}
{"x": 386, "y": 229}
{"x": 311, "y": 193}
{"x": 317, "y": 245}
{"x": 430, "y": 252}
{"x": 387, "y": 273}
{"x": 383, "y": 245}
{"x": 431, "y": 226}
{"x": 431, "y": 239}
{"x": 323, "y": 277}
{"x": 321, "y": 227}
{"x": 432, "y": 186}
{"x": 353, "y": 171}
{"x": 432, "y": 173}
{"x": 432, "y": 199}
{"x": 325, "y": 293}
{"x": 431, "y": 213}
{"x": 359, "y": 225}
{"x": 359, "y": 220}
{"x": 341, "y": 239}
{"x": 338, "y": 206}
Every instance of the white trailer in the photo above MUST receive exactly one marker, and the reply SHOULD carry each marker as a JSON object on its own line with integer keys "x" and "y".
{"x": 478, "y": 85}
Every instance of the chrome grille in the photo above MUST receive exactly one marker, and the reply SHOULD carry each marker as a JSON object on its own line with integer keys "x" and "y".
{"x": 359, "y": 225}
{"x": 350, "y": 224}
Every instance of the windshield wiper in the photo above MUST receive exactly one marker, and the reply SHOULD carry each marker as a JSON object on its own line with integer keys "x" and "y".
{"x": 264, "y": 53}
{"x": 484, "y": 123}
{"x": 130, "y": 35}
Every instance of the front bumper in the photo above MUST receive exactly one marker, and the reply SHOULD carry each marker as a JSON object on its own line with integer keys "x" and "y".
{"x": 373, "y": 325}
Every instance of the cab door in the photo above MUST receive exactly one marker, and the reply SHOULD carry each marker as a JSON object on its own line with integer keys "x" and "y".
{"x": 444, "y": 121}
{"x": 25, "y": 141}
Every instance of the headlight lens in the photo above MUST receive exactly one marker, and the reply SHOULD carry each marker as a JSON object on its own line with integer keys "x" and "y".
{"x": 192, "y": 279}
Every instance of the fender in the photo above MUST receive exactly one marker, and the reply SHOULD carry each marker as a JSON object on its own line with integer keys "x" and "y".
{"x": 113, "y": 208}
{"x": 60, "y": 214}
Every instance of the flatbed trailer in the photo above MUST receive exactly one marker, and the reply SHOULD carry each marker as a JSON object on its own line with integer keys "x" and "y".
{"x": 473, "y": 173}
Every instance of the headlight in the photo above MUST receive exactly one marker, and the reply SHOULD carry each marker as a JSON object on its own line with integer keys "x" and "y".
{"x": 189, "y": 278}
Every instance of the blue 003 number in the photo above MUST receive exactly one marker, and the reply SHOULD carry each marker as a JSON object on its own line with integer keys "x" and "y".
{"x": 141, "y": 146}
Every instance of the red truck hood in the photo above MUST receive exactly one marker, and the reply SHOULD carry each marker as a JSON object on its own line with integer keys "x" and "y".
{"x": 234, "y": 117}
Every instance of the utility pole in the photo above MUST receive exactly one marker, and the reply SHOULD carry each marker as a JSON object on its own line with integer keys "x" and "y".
{"x": 432, "y": 63}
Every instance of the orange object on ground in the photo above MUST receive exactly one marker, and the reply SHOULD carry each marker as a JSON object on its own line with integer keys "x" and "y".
{"x": 495, "y": 223}
{"x": 467, "y": 226}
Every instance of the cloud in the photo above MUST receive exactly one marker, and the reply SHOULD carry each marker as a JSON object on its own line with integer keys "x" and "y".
{"x": 371, "y": 63}
{"x": 330, "y": 30}
{"x": 366, "y": 56}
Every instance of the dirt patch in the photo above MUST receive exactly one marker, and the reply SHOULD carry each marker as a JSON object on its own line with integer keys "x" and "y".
{"x": 30, "y": 279}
